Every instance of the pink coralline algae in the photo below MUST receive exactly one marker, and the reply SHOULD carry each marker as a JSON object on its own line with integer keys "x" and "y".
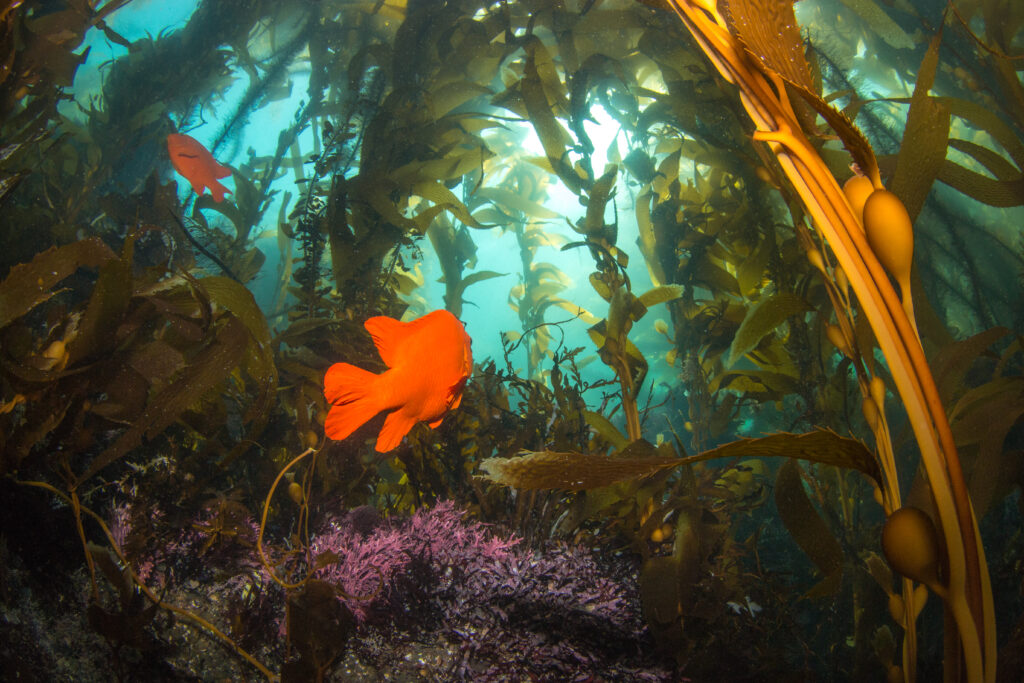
{"x": 507, "y": 609}
{"x": 372, "y": 554}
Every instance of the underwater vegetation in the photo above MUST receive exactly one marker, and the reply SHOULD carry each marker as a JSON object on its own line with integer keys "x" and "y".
{"x": 769, "y": 426}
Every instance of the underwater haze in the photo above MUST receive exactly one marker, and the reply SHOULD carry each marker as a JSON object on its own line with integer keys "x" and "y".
{"x": 450, "y": 340}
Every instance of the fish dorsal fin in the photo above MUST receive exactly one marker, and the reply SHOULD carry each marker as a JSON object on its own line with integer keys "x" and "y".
{"x": 220, "y": 171}
{"x": 389, "y": 335}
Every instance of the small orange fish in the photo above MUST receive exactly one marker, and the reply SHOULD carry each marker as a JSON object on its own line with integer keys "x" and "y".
{"x": 429, "y": 361}
{"x": 195, "y": 162}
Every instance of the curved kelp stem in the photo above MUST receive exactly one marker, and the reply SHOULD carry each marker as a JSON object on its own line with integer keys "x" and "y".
{"x": 263, "y": 524}
{"x": 78, "y": 509}
{"x": 969, "y": 596}
{"x": 305, "y": 498}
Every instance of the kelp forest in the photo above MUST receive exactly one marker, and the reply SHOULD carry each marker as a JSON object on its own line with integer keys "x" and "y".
{"x": 743, "y": 280}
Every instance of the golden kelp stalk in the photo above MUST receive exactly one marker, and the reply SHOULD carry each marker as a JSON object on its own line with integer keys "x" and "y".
{"x": 759, "y": 50}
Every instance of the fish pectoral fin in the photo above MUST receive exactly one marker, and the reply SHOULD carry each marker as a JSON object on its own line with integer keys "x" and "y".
{"x": 453, "y": 403}
{"x": 396, "y": 426}
{"x": 436, "y": 423}
{"x": 454, "y": 397}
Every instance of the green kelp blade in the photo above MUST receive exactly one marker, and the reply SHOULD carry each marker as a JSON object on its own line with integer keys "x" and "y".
{"x": 661, "y": 294}
{"x": 512, "y": 201}
{"x": 30, "y": 284}
{"x": 762, "y": 319}
{"x": 603, "y": 426}
{"x": 571, "y": 471}
{"x": 808, "y": 529}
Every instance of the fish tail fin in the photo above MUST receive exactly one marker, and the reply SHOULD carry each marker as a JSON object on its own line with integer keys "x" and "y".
{"x": 218, "y": 190}
{"x": 396, "y": 426}
{"x": 353, "y": 391}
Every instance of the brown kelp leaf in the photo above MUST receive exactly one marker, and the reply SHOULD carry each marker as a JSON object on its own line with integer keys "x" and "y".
{"x": 1001, "y": 413}
{"x": 998, "y": 193}
{"x": 762, "y": 318}
{"x": 992, "y": 161}
{"x": 922, "y": 153}
{"x": 319, "y": 625}
{"x": 986, "y": 119}
{"x": 206, "y": 370}
{"x": 581, "y": 471}
{"x": 821, "y": 446}
{"x": 808, "y": 529}
{"x": 107, "y": 306}
{"x": 925, "y": 136}
{"x": 41, "y": 418}
{"x": 648, "y": 239}
{"x": 125, "y": 392}
{"x": 553, "y": 136}
{"x": 952, "y": 362}
{"x": 156, "y": 360}
{"x": 30, "y": 284}
{"x": 603, "y": 426}
{"x": 881, "y": 23}
{"x": 751, "y": 269}
{"x": 718, "y": 279}
{"x": 880, "y": 571}
{"x": 600, "y": 192}
{"x": 569, "y": 471}
{"x": 436, "y": 192}
{"x": 770, "y": 34}
{"x": 512, "y": 201}
{"x": 661, "y": 294}
{"x": 234, "y": 297}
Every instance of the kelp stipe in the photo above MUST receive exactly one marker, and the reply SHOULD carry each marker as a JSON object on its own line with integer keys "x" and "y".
{"x": 764, "y": 95}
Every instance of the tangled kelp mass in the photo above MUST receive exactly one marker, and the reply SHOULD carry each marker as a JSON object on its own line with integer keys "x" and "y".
{"x": 753, "y": 410}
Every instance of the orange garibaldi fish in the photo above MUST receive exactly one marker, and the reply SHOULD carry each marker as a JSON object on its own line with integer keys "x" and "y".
{"x": 429, "y": 361}
{"x": 195, "y": 162}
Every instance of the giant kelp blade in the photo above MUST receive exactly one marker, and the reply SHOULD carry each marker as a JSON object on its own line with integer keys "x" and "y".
{"x": 997, "y": 193}
{"x": 30, "y": 284}
{"x": 234, "y": 297}
{"x": 603, "y": 426}
{"x": 808, "y": 529}
{"x": 923, "y": 148}
{"x": 514, "y": 202}
{"x": 881, "y": 23}
{"x": 988, "y": 120}
{"x": 553, "y": 137}
{"x": 661, "y": 294}
{"x": 106, "y": 308}
{"x": 569, "y": 471}
{"x": 205, "y": 371}
{"x": 572, "y": 471}
{"x": 821, "y": 446}
{"x": 953, "y": 361}
{"x": 762, "y": 319}
{"x": 770, "y": 34}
